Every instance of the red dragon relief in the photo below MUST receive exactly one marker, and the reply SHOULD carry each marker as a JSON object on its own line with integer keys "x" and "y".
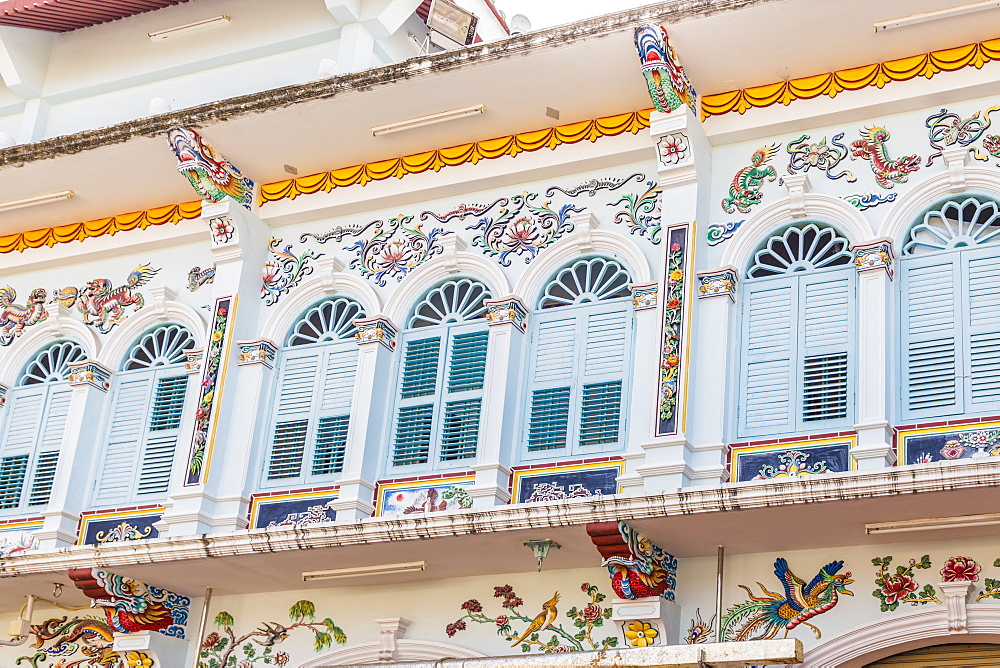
{"x": 102, "y": 305}
{"x": 888, "y": 172}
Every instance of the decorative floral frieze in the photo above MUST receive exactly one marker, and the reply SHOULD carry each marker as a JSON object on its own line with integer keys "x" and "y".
{"x": 192, "y": 359}
{"x": 901, "y": 586}
{"x": 89, "y": 372}
{"x": 376, "y": 330}
{"x": 672, "y": 149}
{"x": 198, "y": 277}
{"x": 102, "y": 304}
{"x": 579, "y": 637}
{"x": 260, "y": 351}
{"x": 15, "y": 317}
{"x": 666, "y": 80}
{"x": 523, "y": 229}
{"x": 719, "y": 232}
{"x": 874, "y": 255}
{"x": 792, "y": 464}
{"x": 805, "y": 155}
{"x": 592, "y": 186}
{"x": 642, "y": 212}
{"x": 720, "y": 282}
{"x": 745, "y": 190}
{"x": 506, "y": 310}
{"x": 644, "y": 296}
{"x": 763, "y": 617}
{"x": 888, "y": 171}
{"x": 212, "y": 176}
{"x": 946, "y": 129}
{"x": 671, "y": 353}
{"x": 284, "y": 271}
{"x": 214, "y": 361}
{"x": 395, "y": 250}
{"x": 122, "y": 532}
{"x": 865, "y": 201}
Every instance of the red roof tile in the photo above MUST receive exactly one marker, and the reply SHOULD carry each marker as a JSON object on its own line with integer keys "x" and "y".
{"x": 66, "y": 15}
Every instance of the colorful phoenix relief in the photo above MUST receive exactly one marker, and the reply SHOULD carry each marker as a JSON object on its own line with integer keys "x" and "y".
{"x": 130, "y": 605}
{"x": 824, "y": 157}
{"x": 522, "y": 229}
{"x": 762, "y": 617}
{"x": 102, "y": 305}
{"x": 901, "y": 586}
{"x": 585, "y": 620}
{"x": 946, "y": 129}
{"x": 89, "y": 639}
{"x": 210, "y": 174}
{"x": 284, "y": 271}
{"x": 642, "y": 212}
{"x": 668, "y": 84}
{"x": 637, "y": 566}
{"x": 745, "y": 190}
{"x": 223, "y": 649}
{"x": 15, "y": 317}
{"x": 888, "y": 171}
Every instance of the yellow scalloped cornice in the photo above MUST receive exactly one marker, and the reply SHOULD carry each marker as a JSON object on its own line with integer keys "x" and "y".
{"x": 138, "y": 220}
{"x": 879, "y": 74}
{"x": 456, "y": 155}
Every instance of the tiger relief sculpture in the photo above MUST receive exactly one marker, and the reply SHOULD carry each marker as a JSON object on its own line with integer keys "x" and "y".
{"x": 102, "y": 305}
{"x": 14, "y": 317}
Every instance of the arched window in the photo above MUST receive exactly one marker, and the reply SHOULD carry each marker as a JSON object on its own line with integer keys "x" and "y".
{"x": 442, "y": 372}
{"x": 797, "y": 329}
{"x": 143, "y": 425}
{"x": 36, "y": 412}
{"x": 581, "y": 342}
{"x": 950, "y": 310}
{"x": 312, "y": 408}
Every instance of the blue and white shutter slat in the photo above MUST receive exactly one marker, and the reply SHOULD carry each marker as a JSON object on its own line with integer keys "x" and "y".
{"x": 419, "y": 393}
{"x": 161, "y": 435}
{"x": 982, "y": 273}
{"x": 826, "y": 306}
{"x": 770, "y": 314}
{"x": 24, "y": 414}
{"x": 337, "y": 386}
{"x": 604, "y": 336}
{"x": 294, "y": 405}
{"x": 931, "y": 333}
{"x": 129, "y": 415}
{"x": 554, "y": 368}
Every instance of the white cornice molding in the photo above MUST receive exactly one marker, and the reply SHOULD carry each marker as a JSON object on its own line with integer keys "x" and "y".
{"x": 847, "y": 486}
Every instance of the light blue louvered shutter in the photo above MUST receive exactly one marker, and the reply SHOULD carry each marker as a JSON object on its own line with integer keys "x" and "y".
{"x": 768, "y": 383}
{"x": 603, "y": 371}
{"x": 418, "y": 392}
{"x": 827, "y": 316}
{"x": 931, "y": 332}
{"x": 981, "y": 278}
{"x": 36, "y": 422}
{"x": 336, "y": 392}
{"x": 129, "y": 416}
{"x": 296, "y": 384}
{"x": 46, "y": 458}
{"x": 553, "y": 369}
{"x": 463, "y": 405}
{"x": 161, "y": 435}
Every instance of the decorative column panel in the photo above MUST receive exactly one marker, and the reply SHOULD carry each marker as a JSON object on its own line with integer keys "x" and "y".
{"x": 874, "y": 262}
{"x": 71, "y": 485}
{"x": 376, "y": 342}
{"x": 213, "y": 494}
{"x": 507, "y": 319}
{"x": 669, "y": 461}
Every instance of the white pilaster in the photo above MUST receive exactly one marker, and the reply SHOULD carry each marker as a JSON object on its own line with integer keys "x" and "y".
{"x": 71, "y": 487}
{"x": 873, "y": 261}
{"x": 645, "y": 381}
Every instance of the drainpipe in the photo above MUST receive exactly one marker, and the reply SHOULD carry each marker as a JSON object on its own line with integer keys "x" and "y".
{"x": 718, "y": 593}
{"x": 201, "y": 626}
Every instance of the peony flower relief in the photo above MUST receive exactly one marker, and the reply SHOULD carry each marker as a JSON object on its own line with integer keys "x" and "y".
{"x": 960, "y": 569}
{"x": 897, "y": 588}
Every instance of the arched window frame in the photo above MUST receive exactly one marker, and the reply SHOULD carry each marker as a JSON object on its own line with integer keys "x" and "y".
{"x": 797, "y": 343}
{"x": 311, "y": 410}
{"x": 579, "y": 362}
{"x": 949, "y": 282}
{"x": 35, "y": 417}
{"x": 144, "y": 419}
{"x": 441, "y": 377}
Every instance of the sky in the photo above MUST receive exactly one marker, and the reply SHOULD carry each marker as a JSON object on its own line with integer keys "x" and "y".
{"x": 548, "y": 13}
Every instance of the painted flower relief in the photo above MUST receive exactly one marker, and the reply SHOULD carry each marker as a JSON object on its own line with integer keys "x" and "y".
{"x": 901, "y": 586}
{"x": 960, "y": 569}
{"x": 640, "y": 634}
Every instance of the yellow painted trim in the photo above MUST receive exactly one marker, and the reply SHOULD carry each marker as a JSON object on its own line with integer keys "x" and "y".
{"x": 418, "y": 484}
{"x": 472, "y": 153}
{"x": 259, "y": 501}
{"x": 220, "y": 387}
{"x": 20, "y": 526}
{"x": 852, "y": 441}
{"x": 63, "y": 234}
{"x": 690, "y": 277}
{"x": 566, "y": 468}
{"x": 855, "y": 78}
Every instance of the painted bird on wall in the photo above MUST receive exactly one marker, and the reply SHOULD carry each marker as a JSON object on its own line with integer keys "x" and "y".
{"x": 762, "y": 617}
{"x": 542, "y": 620}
